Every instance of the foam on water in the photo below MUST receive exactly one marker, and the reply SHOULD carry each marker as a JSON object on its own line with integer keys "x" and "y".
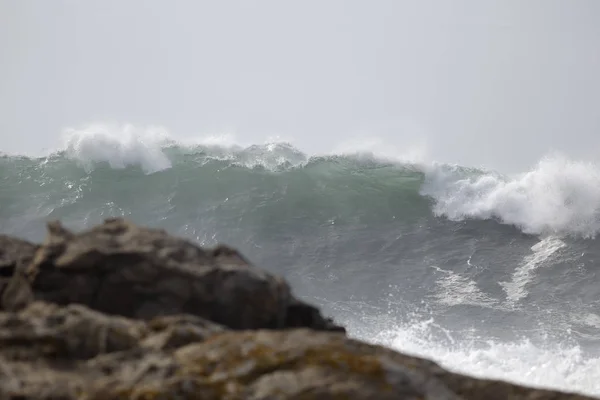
{"x": 560, "y": 366}
{"x": 542, "y": 251}
{"x": 455, "y": 289}
{"x": 122, "y": 146}
{"x": 558, "y": 196}
{"x": 119, "y": 146}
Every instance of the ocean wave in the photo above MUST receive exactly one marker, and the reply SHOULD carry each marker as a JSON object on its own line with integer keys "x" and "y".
{"x": 556, "y": 197}
{"x": 118, "y": 146}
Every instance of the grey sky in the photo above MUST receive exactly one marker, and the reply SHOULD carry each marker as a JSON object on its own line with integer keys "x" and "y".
{"x": 495, "y": 83}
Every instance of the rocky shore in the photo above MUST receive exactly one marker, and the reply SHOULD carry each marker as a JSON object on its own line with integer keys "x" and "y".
{"x": 125, "y": 312}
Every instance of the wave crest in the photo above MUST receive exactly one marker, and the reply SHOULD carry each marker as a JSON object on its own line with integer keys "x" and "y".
{"x": 119, "y": 146}
{"x": 558, "y": 196}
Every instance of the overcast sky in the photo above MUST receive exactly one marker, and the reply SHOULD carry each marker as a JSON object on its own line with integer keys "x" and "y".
{"x": 494, "y": 83}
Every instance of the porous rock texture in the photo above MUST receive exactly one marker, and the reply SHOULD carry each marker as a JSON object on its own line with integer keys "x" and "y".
{"x": 125, "y": 312}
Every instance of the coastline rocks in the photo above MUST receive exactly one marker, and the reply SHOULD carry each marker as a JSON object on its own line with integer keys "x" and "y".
{"x": 297, "y": 364}
{"x": 121, "y": 312}
{"x": 44, "y": 331}
{"x": 122, "y": 269}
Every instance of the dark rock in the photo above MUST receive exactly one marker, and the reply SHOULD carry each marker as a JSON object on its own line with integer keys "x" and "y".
{"x": 13, "y": 252}
{"x": 120, "y": 268}
{"x": 300, "y": 314}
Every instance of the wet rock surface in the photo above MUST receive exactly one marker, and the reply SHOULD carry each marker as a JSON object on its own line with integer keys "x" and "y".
{"x": 125, "y": 312}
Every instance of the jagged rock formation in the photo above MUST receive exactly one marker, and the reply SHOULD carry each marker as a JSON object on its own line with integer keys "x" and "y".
{"x": 124, "y": 312}
{"x": 121, "y": 269}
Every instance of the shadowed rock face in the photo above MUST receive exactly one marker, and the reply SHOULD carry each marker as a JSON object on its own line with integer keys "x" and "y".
{"x": 13, "y": 253}
{"x": 124, "y": 312}
{"x": 119, "y": 268}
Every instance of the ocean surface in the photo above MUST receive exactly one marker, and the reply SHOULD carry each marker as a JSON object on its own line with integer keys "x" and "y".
{"x": 488, "y": 274}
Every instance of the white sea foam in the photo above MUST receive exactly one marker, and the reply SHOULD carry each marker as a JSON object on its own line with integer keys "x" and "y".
{"x": 126, "y": 145}
{"x": 558, "y": 196}
{"x": 455, "y": 289}
{"x": 560, "y": 366}
{"x": 119, "y": 146}
{"x": 524, "y": 274}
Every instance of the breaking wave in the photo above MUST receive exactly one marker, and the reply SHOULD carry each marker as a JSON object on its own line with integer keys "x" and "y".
{"x": 556, "y": 197}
